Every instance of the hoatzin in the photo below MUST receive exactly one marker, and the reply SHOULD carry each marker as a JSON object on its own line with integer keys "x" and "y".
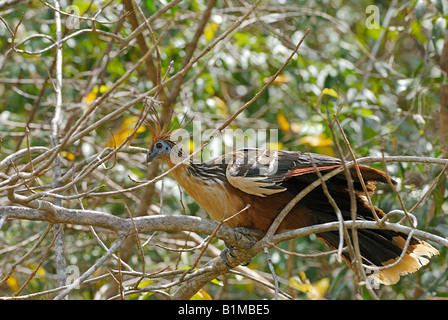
{"x": 267, "y": 180}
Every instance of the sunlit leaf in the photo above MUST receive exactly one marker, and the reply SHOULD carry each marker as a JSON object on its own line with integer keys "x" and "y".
{"x": 321, "y": 287}
{"x": 68, "y": 155}
{"x": 222, "y": 106}
{"x": 145, "y": 296}
{"x": 280, "y": 79}
{"x": 275, "y": 146}
{"x": 417, "y": 32}
{"x": 314, "y": 290}
{"x": 13, "y": 283}
{"x": 92, "y": 95}
{"x": 125, "y": 129}
{"x": 145, "y": 283}
{"x": 296, "y": 283}
{"x": 330, "y": 92}
{"x": 374, "y": 33}
{"x": 210, "y": 30}
{"x": 366, "y": 112}
{"x": 321, "y": 143}
{"x": 191, "y": 146}
{"x": 316, "y": 140}
{"x": 295, "y": 127}
{"x": 201, "y": 295}
{"x": 325, "y": 150}
{"x": 40, "y": 271}
{"x": 302, "y": 275}
{"x": 283, "y": 122}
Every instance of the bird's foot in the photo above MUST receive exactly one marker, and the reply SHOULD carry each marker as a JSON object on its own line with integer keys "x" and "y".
{"x": 248, "y": 233}
{"x": 240, "y": 233}
{"x": 227, "y": 251}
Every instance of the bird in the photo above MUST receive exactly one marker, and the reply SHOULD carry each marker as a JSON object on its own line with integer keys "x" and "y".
{"x": 258, "y": 183}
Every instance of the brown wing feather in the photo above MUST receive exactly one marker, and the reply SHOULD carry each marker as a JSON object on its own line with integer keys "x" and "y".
{"x": 306, "y": 170}
{"x": 263, "y": 172}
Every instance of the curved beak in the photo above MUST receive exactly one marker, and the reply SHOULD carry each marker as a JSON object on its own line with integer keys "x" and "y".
{"x": 151, "y": 156}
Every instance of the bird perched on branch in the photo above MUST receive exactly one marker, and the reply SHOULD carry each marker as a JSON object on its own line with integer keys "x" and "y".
{"x": 265, "y": 181}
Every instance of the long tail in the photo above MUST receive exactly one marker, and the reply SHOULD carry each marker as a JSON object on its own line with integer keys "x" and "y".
{"x": 384, "y": 249}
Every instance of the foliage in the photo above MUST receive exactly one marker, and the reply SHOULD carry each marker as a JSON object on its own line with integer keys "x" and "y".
{"x": 377, "y": 71}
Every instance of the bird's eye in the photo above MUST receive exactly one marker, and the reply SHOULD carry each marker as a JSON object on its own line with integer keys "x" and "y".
{"x": 159, "y": 145}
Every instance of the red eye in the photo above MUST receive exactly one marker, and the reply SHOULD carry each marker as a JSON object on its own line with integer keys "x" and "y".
{"x": 159, "y": 145}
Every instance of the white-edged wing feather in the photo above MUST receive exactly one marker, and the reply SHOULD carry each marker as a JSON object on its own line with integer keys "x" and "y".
{"x": 254, "y": 171}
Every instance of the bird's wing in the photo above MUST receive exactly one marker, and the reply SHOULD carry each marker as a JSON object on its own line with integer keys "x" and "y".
{"x": 261, "y": 172}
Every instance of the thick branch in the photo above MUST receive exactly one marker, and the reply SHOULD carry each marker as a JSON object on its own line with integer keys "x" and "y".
{"x": 121, "y": 226}
{"x": 217, "y": 267}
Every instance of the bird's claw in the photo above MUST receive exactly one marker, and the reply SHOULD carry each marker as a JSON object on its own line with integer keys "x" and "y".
{"x": 229, "y": 250}
{"x": 223, "y": 256}
{"x": 239, "y": 233}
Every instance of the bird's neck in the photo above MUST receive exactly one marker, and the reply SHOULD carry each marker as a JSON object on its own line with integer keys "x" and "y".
{"x": 189, "y": 173}
{"x": 206, "y": 184}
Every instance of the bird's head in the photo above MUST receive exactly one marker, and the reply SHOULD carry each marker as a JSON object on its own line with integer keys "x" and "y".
{"x": 160, "y": 148}
{"x": 161, "y": 145}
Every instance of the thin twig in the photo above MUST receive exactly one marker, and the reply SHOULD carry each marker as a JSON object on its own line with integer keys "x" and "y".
{"x": 307, "y": 255}
{"x": 431, "y": 187}
{"x": 353, "y": 242}
{"x": 25, "y": 256}
{"x": 47, "y": 251}
{"x": 358, "y": 171}
{"x": 343, "y": 234}
{"x": 271, "y": 267}
{"x": 139, "y": 245}
{"x": 114, "y": 247}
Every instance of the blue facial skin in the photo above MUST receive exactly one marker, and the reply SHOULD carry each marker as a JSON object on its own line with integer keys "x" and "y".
{"x": 159, "y": 148}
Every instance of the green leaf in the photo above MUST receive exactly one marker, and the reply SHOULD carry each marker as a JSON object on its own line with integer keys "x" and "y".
{"x": 151, "y": 6}
{"x": 439, "y": 6}
{"x": 417, "y": 69}
{"x": 366, "y": 112}
{"x": 438, "y": 28}
{"x": 419, "y": 8}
